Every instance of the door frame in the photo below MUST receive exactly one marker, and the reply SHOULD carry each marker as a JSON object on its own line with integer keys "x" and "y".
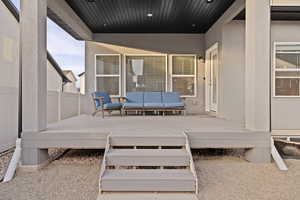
{"x": 208, "y": 95}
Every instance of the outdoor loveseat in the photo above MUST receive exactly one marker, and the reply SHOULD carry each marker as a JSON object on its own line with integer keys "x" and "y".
{"x": 153, "y": 101}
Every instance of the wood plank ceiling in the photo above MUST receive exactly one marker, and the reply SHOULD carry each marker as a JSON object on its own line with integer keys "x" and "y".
{"x": 134, "y": 16}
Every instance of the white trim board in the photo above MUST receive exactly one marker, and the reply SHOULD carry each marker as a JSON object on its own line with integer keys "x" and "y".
{"x": 108, "y": 75}
{"x": 191, "y": 76}
{"x": 207, "y": 77}
{"x": 274, "y": 69}
{"x": 285, "y": 3}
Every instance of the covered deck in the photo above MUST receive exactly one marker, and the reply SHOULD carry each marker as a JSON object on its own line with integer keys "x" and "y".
{"x": 204, "y": 131}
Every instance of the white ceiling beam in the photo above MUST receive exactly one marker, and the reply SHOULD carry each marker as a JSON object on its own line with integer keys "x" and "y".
{"x": 62, "y": 14}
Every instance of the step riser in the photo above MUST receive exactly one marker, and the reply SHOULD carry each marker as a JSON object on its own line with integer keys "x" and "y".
{"x": 141, "y": 163}
{"x": 148, "y": 161}
{"x": 147, "y": 141}
{"x": 148, "y": 186}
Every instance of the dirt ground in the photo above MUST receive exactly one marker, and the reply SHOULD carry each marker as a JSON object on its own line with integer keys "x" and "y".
{"x": 75, "y": 176}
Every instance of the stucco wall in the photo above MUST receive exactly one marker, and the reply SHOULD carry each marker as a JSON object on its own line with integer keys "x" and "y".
{"x": 232, "y": 72}
{"x": 149, "y": 44}
{"x": 9, "y": 66}
{"x": 285, "y": 111}
{"x": 231, "y": 43}
{"x": 9, "y": 78}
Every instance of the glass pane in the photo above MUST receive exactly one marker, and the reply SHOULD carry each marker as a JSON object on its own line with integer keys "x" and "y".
{"x": 287, "y": 56}
{"x": 183, "y": 65}
{"x": 145, "y": 73}
{"x": 287, "y": 87}
{"x": 214, "y": 78}
{"x": 184, "y": 85}
{"x": 106, "y": 65}
{"x": 108, "y": 84}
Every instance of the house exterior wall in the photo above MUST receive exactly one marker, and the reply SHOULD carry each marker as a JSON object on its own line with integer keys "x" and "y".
{"x": 231, "y": 84}
{"x": 70, "y": 86}
{"x": 232, "y": 73}
{"x": 285, "y": 111}
{"x": 149, "y": 44}
{"x": 9, "y": 78}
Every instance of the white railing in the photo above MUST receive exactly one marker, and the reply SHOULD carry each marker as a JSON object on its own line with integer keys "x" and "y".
{"x": 192, "y": 165}
{"x": 103, "y": 165}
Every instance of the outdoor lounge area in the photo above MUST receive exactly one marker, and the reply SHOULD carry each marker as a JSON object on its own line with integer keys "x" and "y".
{"x": 140, "y": 102}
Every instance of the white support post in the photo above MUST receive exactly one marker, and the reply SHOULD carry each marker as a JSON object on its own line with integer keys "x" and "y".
{"x": 33, "y": 22}
{"x": 257, "y": 72}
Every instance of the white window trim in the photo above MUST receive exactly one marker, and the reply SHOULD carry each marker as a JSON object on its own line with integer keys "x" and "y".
{"x": 184, "y": 76}
{"x": 274, "y": 70}
{"x": 109, "y": 75}
{"x": 125, "y": 76}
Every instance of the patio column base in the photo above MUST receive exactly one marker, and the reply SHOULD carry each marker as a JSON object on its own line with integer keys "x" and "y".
{"x": 33, "y": 158}
{"x": 259, "y": 155}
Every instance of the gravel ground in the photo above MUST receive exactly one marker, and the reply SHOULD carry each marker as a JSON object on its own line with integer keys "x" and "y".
{"x": 231, "y": 178}
{"x": 75, "y": 175}
{"x": 4, "y": 162}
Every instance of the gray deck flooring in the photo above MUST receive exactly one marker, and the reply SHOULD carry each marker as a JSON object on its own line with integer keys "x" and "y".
{"x": 136, "y": 124}
{"x": 86, "y": 131}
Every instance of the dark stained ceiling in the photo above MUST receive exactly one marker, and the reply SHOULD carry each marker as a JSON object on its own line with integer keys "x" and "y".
{"x": 132, "y": 16}
{"x": 279, "y": 13}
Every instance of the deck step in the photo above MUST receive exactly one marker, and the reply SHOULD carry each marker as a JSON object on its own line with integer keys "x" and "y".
{"x": 147, "y": 196}
{"x": 148, "y": 157}
{"x": 145, "y": 180}
{"x": 147, "y": 140}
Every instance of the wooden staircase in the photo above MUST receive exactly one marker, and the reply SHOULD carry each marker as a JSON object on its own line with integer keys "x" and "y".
{"x": 148, "y": 163}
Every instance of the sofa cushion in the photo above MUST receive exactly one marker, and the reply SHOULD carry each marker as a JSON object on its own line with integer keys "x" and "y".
{"x": 111, "y": 106}
{"x": 133, "y": 105}
{"x": 173, "y": 105}
{"x": 153, "y": 105}
{"x": 152, "y": 97}
{"x": 171, "y": 97}
{"x": 135, "y": 97}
